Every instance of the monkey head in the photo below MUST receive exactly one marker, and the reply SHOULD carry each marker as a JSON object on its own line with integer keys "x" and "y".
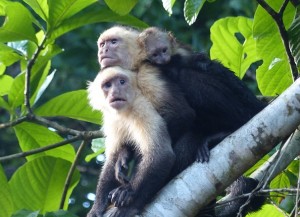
{"x": 114, "y": 89}
{"x": 118, "y": 46}
{"x": 157, "y": 44}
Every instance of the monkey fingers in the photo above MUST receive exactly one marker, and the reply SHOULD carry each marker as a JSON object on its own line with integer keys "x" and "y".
{"x": 121, "y": 196}
{"x": 122, "y": 212}
{"x": 203, "y": 153}
{"x": 121, "y": 170}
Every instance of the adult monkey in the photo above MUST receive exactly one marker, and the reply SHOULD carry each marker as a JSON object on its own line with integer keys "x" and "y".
{"x": 205, "y": 65}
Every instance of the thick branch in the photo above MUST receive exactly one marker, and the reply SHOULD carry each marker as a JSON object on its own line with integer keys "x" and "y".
{"x": 201, "y": 183}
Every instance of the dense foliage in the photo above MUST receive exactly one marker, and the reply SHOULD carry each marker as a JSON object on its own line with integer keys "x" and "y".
{"x": 51, "y": 132}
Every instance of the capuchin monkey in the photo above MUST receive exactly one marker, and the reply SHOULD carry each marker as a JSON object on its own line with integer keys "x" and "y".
{"x": 158, "y": 46}
{"x": 221, "y": 101}
{"x": 130, "y": 122}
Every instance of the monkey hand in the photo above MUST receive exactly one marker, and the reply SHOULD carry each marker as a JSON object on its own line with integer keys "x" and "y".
{"x": 122, "y": 212}
{"x": 122, "y": 196}
{"x": 203, "y": 153}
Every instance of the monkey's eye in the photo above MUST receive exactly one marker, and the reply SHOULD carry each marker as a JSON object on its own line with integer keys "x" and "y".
{"x": 155, "y": 55}
{"x": 101, "y": 44}
{"x": 164, "y": 50}
{"x": 114, "y": 41}
{"x": 106, "y": 85}
{"x": 122, "y": 81}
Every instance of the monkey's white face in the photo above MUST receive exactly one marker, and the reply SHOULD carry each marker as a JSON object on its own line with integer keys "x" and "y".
{"x": 108, "y": 49}
{"x": 118, "y": 91}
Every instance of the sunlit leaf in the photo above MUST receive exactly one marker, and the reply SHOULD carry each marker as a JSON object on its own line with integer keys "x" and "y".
{"x": 73, "y": 105}
{"x": 60, "y": 10}
{"x": 6, "y": 202}
{"x": 95, "y": 15}
{"x": 233, "y": 44}
{"x": 267, "y": 211}
{"x": 18, "y": 24}
{"x": 38, "y": 184}
{"x": 121, "y": 7}
{"x": 274, "y": 75}
{"x": 280, "y": 181}
{"x": 40, "y": 7}
{"x": 32, "y": 136}
{"x": 168, "y": 5}
{"x": 192, "y": 9}
{"x": 5, "y": 84}
{"x": 8, "y": 55}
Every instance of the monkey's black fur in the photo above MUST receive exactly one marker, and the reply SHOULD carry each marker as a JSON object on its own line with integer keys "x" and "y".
{"x": 222, "y": 104}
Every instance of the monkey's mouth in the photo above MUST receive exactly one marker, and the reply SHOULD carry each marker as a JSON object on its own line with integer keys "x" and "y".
{"x": 117, "y": 103}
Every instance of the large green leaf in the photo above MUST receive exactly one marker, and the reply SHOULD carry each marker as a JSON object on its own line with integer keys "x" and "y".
{"x": 120, "y": 6}
{"x": 294, "y": 33}
{"x": 6, "y": 202}
{"x": 32, "y": 136}
{"x": 40, "y": 7}
{"x": 94, "y": 15}
{"x": 60, "y": 10}
{"x": 18, "y": 24}
{"x": 39, "y": 183}
{"x": 192, "y": 9}
{"x": 274, "y": 75}
{"x": 233, "y": 44}
{"x": 267, "y": 211}
{"x": 73, "y": 105}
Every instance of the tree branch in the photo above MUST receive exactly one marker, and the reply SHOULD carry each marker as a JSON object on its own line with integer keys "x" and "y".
{"x": 278, "y": 18}
{"x": 71, "y": 172}
{"x": 28, "y": 75}
{"x": 201, "y": 183}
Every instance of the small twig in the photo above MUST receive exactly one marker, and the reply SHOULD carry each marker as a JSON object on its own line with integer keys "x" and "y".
{"x": 14, "y": 122}
{"x": 28, "y": 75}
{"x": 71, "y": 172}
{"x": 278, "y": 18}
{"x": 38, "y": 150}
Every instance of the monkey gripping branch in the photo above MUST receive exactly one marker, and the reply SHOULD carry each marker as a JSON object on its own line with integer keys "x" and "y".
{"x": 233, "y": 156}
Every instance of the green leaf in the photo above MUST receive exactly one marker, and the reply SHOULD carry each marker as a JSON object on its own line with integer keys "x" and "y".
{"x": 32, "y": 136}
{"x": 18, "y": 24}
{"x": 40, "y": 7}
{"x": 60, "y": 10}
{"x": 192, "y": 9}
{"x": 6, "y": 202}
{"x": 16, "y": 93}
{"x": 280, "y": 181}
{"x": 4, "y": 104}
{"x": 274, "y": 75}
{"x": 294, "y": 33}
{"x": 95, "y": 15}
{"x": 60, "y": 213}
{"x": 38, "y": 184}
{"x": 5, "y": 84}
{"x": 73, "y": 105}
{"x": 26, "y": 213}
{"x": 120, "y": 6}
{"x": 267, "y": 211}
{"x": 168, "y": 5}
{"x": 8, "y": 55}
{"x": 233, "y": 44}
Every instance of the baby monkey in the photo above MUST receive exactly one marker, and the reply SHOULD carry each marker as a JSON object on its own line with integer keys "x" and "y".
{"x": 158, "y": 46}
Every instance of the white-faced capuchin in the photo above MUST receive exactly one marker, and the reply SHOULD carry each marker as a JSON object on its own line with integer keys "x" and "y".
{"x": 130, "y": 121}
{"x": 211, "y": 90}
